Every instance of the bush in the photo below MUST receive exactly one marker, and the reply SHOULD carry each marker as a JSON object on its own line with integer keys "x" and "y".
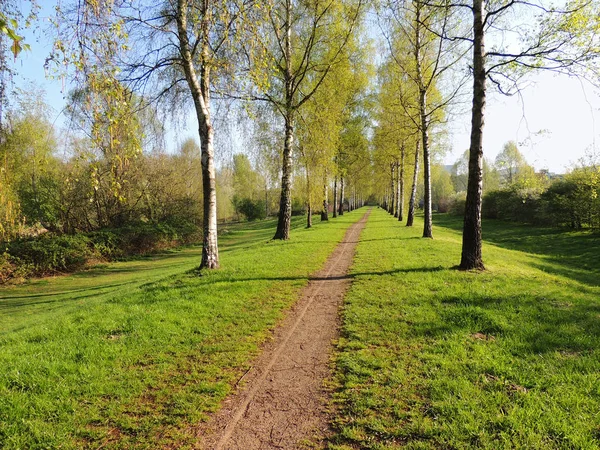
{"x": 493, "y": 202}
{"x": 298, "y": 207}
{"x": 444, "y": 204}
{"x": 145, "y": 237}
{"x": 574, "y": 201}
{"x": 49, "y": 254}
{"x": 517, "y": 205}
{"x": 251, "y": 209}
{"x": 187, "y": 231}
{"x": 7, "y": 267}
{"x": 106, "y": 243}
{"x": 457, "y": 205}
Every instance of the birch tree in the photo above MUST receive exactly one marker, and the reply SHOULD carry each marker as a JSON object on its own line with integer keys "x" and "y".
{"x": 301, "y": 43}
{"x": 525, "y": 36}
{"x": 408, "y": 28}
{"x": 396, "y": 131}
{"x": 167, "y": 50}
{"x": 319, "y": 128}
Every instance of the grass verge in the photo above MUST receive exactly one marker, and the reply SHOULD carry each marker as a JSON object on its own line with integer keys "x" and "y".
{"x": 431, "y": 357}
{"x": 132, "y": 355}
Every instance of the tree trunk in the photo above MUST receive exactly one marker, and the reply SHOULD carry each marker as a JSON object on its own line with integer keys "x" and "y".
{"x": 392, "y": 190}
{"x": 401, "y": 186}
{"x": 471, "y": 244}
{"x": 341, "y": 205}
{"x": 424, "y": 125}
{"x": 200, "y": 90}
{"x": 335, "y": 197}
{"x": 394, "y": 211}
{"x": 325, "y": 212}
{"x": 413, "y": 192}
{"x": 427, "y": 226}
{"x": 285, "y": 202}
{"x": 308, "y": 202}
{"x": 349, "y": 199}
{"x": 266, "y": 200}
{"x": 210, "y": 249}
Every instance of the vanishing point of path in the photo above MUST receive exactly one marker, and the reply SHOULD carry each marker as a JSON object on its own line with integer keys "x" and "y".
{"x": 282, "y": 404}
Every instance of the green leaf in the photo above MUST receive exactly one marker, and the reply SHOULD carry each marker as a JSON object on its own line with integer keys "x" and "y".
{"x": 16, "y": 47}
{"x": 12, "y": 35}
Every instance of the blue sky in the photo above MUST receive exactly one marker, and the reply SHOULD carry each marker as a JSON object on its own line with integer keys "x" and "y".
{"x": 553, "y": 123}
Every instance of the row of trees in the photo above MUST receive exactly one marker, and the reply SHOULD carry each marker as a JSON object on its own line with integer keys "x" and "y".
{"x": 280, "y": 53}
{"x": 303, "y": 70}
{"x": 426, "y": 42}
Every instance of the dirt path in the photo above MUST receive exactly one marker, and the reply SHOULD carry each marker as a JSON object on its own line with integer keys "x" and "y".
{"x": 282, "y": 404}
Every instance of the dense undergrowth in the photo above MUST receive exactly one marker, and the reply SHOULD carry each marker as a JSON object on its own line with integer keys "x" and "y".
{"x": 432, "y": 357}
{"x": 49, "y": 254}
{"x": 138, "y": 365}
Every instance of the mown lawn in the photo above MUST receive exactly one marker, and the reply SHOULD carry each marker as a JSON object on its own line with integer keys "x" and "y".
{"x": 435, "y": 358}
{"x": 132, "y": 355}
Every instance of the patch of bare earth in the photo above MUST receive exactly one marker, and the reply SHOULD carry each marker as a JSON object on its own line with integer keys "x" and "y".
{"x": 283, "y": 402}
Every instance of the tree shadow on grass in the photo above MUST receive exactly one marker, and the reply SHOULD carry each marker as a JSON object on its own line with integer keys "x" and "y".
{"x": 398, "y": 238}
{"x": 62, "y": 293}
{"x": 572, "y": 254}
{"x": 541, "y": 325}
{"x": 194, "y": 273}
{"x": 26, "y": 303}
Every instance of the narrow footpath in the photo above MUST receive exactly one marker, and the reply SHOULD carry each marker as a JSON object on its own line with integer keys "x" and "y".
{"x": 283, "y": 404}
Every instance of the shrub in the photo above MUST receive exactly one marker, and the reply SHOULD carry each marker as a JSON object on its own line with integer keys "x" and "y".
{"x": 574, "y": 200}
{"x": 251, "y": 209}
{"x": 493, "y": 202}
{"x": 7, "y": 267}
{"x": 298, "y": 207}
{"x": 457, "y": 205}
{"x": 48, "y": 254}
{"x": 106, "y": 243}
{"x": 514, "y": 204}
{"x": 187, "y": 231}
{"x": 444, "y": 204}
{"x": 142, "y": 237}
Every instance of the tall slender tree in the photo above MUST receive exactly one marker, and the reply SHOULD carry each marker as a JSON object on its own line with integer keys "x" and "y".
{"x": 302, "y": 41}
{"x": 408, "y": 24}
{"x": 563, "y": 40}
{"x": 171, "y": 49}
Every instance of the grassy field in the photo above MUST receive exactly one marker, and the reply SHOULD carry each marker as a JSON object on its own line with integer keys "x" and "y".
{"x": 133, "y": 354}
{"x": 435, "y": 358}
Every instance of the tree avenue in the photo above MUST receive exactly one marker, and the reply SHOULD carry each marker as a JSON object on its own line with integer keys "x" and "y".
{"x": 413, "y": 31}
{"x": 300, "y": 44}
{"x": 294, "y": 116}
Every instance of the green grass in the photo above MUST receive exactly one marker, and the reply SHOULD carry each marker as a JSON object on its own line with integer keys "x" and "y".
{"x": 133, "y": 354}
{"x": 432, "y": 357}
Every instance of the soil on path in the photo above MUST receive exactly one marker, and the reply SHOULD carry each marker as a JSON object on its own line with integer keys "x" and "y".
{"x": 283, "y": 402}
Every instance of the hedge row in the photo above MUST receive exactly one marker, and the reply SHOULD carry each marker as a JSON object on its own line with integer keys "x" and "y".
{"x": 564, "y": 203}
{"x": 572, "y": 202}
{"x": 50, "y": 254}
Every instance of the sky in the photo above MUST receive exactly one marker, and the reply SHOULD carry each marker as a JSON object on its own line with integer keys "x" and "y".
{"x": 553, "y": 121}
